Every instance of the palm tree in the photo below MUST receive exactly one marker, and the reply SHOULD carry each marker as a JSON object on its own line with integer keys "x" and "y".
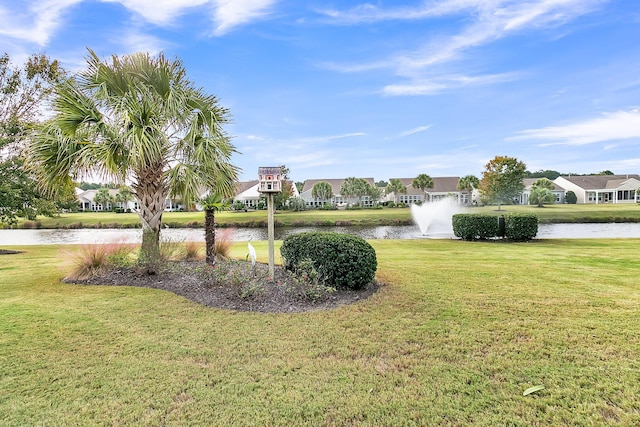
{"x": 468, "y": 183}
{"x": 103, "y": 198}
{"x": 136, "y": 118}
{"x": 422, "y": 182}
{"x": 354, "y": 187}
{"x": 211, "y": 203}
{"x": 541, "y": 192}
{"x": 123, "y": 196}
{"x": 322, "y": 190}
{"x": 396, "y": 187}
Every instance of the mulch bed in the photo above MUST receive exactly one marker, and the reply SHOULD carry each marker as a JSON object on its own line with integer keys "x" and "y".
{"x": 235, "y": 285}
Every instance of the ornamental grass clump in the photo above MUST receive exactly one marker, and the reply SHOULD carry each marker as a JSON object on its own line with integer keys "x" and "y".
{"x": 341, "y": 260}
{"x": 94, "y": 260}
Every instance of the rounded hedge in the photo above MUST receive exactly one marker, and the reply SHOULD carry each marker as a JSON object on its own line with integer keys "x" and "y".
{"x": 516, "y": 227}
{"x": 341, "y": 260}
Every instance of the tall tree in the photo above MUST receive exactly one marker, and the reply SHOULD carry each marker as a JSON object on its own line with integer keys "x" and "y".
{"x": 396, "y": 187}
{"x": 422, "y": 182}
{"x": 322, "y": 191}
{"x": 139, "y": 118}
{"x": 502, "y": 179}
{"x": 468, "y": 183}
{"x": 22, "y": 90}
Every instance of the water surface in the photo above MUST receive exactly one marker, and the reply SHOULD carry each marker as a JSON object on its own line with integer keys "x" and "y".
{"x": 91, "y": 236}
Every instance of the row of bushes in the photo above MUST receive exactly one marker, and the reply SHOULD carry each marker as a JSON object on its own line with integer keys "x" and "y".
{"x": 516, "y": 227}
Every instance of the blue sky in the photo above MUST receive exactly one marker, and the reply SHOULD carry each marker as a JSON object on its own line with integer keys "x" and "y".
{"x": 382, "y": 89}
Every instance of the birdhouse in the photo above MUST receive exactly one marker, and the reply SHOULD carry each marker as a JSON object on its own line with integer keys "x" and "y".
{"x": 270, "y": 179}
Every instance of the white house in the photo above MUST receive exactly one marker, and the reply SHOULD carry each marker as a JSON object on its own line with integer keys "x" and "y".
{"x": 86, "y": 201}
{"x": 442, "y": 187}
{"x": 523, "y": 199}
{"x": 602, "y": 188}
{"x": 247, "y": 193}
{"x": 337, "y": 199}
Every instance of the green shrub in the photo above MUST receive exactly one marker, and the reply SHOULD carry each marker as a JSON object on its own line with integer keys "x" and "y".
{"x": 521, "y": 226}
{"x": 480, "y": 227}
{"x": 571, "y": 198}
{"x": 341, "y": 260}
{"x": 475, "y": 226}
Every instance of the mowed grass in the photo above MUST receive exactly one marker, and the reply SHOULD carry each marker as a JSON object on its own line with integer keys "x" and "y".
{"x": 455, "y": 336}
{"x": 371, "y": 217}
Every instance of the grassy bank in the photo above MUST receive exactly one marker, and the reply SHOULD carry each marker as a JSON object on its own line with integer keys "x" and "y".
{"x": 369, "y": 217}
{"x": 458, "y": 333}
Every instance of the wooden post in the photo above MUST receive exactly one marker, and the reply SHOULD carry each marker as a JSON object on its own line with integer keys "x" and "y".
{"x": 271, "y": 234}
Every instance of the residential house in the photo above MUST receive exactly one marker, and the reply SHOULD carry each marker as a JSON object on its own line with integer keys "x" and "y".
{"x": 337, "y": 200}
{"x": 523, "y": 199}
{"x": 442, "y": 187}
{"x": 602, "y": 188}
{"x": 247, "y": 193}
{"x": 86, "y": 201}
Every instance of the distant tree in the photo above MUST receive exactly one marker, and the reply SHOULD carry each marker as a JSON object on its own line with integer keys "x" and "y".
{"x": 605, "y": 172}
{"x": 468, "y": 183}
{"x": 281, "y": 199}
{"x": 551, "y": 174}
{"x": 396, "y": 186}
{"x": 354, "y": 187}
{"x": 541, "y": 193}
{"x": 571, "y": 198}
{"x": 502, "y": 180}
{"x": 103, "y": 198}
{"x": 123, "y": 196}
{"x": 322, "y": 191}
{"x": 299, "y": 186}
{"x": 422, "y": 182}
{"x": 543, "y": 183}
{"x": 297, "y": 204}
{"x": 374, "y": 192}
{"x": 381, "y": 183}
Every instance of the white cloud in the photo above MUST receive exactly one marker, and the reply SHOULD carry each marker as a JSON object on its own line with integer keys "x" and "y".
{"x": 231, "y": 13}
{"x": 443, "y": 82}
{"x": 136, "y": 41}
{"x": 609, "y": 127}
{"x": 488, "y": 21}
{"x": 317, "y": 139}
{"x": 413, "y": 131}
{"x": 159, "y": 12}
{"x": 33, "y": 21}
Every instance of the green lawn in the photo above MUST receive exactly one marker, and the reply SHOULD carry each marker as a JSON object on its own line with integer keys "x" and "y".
{"x": 460, "y": 330}
{"x": 387, "y": 216}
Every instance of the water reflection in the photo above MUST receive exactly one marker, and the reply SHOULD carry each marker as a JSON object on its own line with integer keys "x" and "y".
{"x": 93, "y": 236}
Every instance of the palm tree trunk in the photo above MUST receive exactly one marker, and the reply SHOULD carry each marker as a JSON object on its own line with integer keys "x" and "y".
{"x": 151, "y": 193}
{"x": 210, "y": 236}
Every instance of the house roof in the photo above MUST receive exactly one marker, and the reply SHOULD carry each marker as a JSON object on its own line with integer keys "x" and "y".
{"x": 600, "y": 182}
{"x": 528, "y": 183}
{"x": 243, "y": 186}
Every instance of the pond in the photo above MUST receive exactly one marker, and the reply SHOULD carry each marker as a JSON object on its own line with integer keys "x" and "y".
{"x": 87, "y": 236}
